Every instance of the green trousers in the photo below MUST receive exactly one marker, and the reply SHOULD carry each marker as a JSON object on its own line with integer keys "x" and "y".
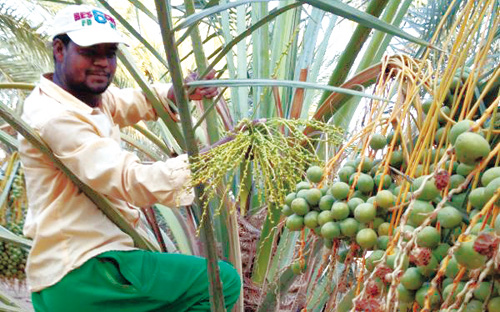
{"x": 136, "y": 281}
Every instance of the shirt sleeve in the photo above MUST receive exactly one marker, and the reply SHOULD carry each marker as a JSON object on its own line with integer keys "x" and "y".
{"x": 129, "y": 106}
{"x": 101, "y": 163}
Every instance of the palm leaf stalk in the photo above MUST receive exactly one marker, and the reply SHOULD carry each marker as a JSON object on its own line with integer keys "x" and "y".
{"x": 241, "y": 61}
{"x": 261, "y": 63}
{"x": 264, "y": 21}
{"x": 266, "y": 245}
{"x": 172, "y": 126}
{"x": 178, "y": 228}
{"x": 134, "y": 32}
{"x": 285, "y": 251}
{"x": 8, "y": 140}
{"x": 201, "y": 64}
{"x": 164, "y": 18}
{"x": 374, "y": 52}
{"x": 279, "y": 286}
{"x": 10, "y": 237}
{"x": 153, "y": 138}
{"x": 283, "y": 49}
{"x": 230, "y": 65}
{"x": 314, "y": 270}
{"x": 396, "y": 21}
{"x": 335, "y": 100}
{"x": 365, "y": 19}
{"x": 353, "y": 48}
{"x": 283, "y": 83}
{"x": 6, "y": 184}
{"x": 139, "y": 5}
{"x": 100, "y": 201}
{"x": 17, "y": 85}
{"x": 146, "y": 150}
{"x": 285, "y": 279}
{"x": 309, "y": 57}
{"x": 225, "y": 221}
{"x": 378, "y": 45}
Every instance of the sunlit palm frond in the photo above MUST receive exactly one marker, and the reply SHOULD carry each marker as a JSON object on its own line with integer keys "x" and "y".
{"x": 424, "y": 19}
{"x": 14, "y": 69}
{"x": 23, "y": 46}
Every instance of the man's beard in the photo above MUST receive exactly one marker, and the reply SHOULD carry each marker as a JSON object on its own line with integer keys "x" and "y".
{"x": 84, "y": 88}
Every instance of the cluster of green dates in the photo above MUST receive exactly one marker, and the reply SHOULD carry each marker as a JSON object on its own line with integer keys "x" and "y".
{"x": 434, "y": 243}
{"x": 12, "y": 257}
{"x": 469, "y": 148}
{"x": 416, "y": 276}
{"x": 333, "y": 214}
{"x": 370, "y": 218}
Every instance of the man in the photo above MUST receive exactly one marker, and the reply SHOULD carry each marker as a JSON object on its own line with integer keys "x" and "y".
{"x": 80, "y": 260}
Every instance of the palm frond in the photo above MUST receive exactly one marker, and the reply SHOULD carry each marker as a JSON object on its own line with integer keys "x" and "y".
{"x": 14, "y": 69}
{"x": 9, "y": 304}
{"x": 425, "y": 19}
{"x": 24, "y": 53}
{"x": 364, "y": 19}
{"x": 283, "y": 83}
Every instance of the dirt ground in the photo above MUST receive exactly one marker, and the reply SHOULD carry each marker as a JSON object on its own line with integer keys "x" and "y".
{"x": 19, "y": 292}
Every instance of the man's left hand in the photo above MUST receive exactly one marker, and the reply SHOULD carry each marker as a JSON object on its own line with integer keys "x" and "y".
{"x": 202, "y": 92}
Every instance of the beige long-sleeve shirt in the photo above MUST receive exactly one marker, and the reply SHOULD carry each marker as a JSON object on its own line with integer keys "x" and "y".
{"x": 66, "y": 227}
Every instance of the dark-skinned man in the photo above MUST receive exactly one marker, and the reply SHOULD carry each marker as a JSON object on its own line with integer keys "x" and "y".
{"x": 80, "y": 260}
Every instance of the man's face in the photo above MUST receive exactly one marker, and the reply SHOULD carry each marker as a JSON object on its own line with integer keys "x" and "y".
{"x": 87, "y": 70}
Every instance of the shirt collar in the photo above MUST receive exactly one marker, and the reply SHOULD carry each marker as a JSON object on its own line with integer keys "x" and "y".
{"x": 60, "y": 95}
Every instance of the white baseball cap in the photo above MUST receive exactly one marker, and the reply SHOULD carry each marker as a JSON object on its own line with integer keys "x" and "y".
{"x": 86, "y": 25}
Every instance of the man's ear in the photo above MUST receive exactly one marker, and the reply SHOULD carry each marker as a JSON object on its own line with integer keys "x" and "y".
{"x": 58, "y": 49}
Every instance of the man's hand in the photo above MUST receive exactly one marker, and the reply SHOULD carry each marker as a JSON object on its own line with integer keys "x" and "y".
{"x": 200, "y": 92}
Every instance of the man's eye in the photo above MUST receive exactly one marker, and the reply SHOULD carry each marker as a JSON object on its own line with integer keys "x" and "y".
{"x": 87, "y": 52}
{"x": 111, "y": 54}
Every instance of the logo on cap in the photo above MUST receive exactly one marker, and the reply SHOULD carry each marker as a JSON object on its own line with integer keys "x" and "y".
{"x": 98, "y": 16}
{"x": 86, "y": 25}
